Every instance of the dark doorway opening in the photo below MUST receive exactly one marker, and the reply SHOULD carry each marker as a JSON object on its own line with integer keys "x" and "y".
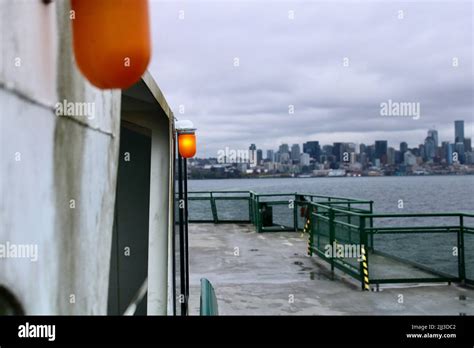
{"x": 129, "y": 259}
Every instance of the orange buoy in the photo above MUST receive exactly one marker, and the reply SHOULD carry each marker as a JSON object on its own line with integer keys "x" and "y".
{"x": 111, "y": 40}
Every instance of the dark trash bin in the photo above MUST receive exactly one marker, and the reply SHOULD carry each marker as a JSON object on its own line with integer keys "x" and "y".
{"x": 267, "y": 215}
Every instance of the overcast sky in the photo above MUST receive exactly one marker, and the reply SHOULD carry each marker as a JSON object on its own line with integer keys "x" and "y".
{"x": 300, "y": 62}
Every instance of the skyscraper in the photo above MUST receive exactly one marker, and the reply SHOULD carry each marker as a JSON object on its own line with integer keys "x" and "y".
{"x": 284, "y": 148}
{"x": 337, "y": 150}
{"x": 381, "y": 150}
{"x": 430, "y": 149}
{"x": 458, "y": 131}
{"x": 270, "y": 155}
{"x": 434, "y": 134}
{"x": 304, "y": 159}
{"x": 467, "y": 145}
{"x": 295, "y": 152}
{"x": 409, "y": 159}
{"x": 459, "y": 148}
{"x": 259, "y": 157}
{"x": 448, "y": 152}
{"x": 253, "y": 155}
{"x": 403, "y": 147}
{"x": 313, "y": 149}
{"x": 327, "y": 150}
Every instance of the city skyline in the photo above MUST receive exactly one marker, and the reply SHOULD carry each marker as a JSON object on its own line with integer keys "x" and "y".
{"x": 432, "y": 156}
{"x": 396, "y": 146}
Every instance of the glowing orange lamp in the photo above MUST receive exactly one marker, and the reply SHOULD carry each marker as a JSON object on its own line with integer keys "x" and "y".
{"x": 186, "y": 138}
{"x": 187, "y": 144}
{"x": 111, "y": 40}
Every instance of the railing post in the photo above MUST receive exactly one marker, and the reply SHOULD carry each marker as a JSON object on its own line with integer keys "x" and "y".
{"x": 311, "y": 236}
{"x": 295, "y": 210}
{"x": 364, "y": 262}
{"x": 371, "y": 221}
{"x": 461, "y": 261}
{"x": 332, "y": 233}
{"x": 250, "y": 207}
{"x": 214, "y": 209}
{"x": 318, "y": 232}
{"x": 349, "y": 215}
{"x": 257, "y": 215}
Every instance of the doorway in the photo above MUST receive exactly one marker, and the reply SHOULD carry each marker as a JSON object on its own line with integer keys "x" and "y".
{"x": 129, "y": 258}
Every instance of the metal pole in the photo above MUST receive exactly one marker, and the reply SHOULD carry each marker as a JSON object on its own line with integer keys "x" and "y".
{"x": 182, "y": 297}
{"x": 185, "y": 180}
{"x": 332, "y": 234}
{"x": 173, "y": 237}
{"x": 461, "y": 260}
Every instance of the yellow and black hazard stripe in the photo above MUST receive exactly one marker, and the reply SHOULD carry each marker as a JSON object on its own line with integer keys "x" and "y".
{"x": 365, "y": 269}
{"x": 307, "y": 229}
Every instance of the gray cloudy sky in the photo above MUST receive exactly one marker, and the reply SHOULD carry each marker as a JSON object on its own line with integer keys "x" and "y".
{"x": 299, "y": 62}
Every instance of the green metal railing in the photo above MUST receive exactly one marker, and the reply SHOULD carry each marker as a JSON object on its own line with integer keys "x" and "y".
{"x": 268, "y": 212}
{"x": 219, "y": 206}
{"x": 397, "y": 248}
{"x": 375, "y": 248}
{"x": 208, "y": 305}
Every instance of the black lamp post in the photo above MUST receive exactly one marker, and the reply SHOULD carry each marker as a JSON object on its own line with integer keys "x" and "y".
{"x": 186, "y": 149}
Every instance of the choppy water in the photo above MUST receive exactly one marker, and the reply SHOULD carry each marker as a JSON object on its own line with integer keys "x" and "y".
{"x": 419, "y": 193}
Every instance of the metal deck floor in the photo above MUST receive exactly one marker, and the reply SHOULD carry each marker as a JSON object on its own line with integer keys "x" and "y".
{"x": 273, "y": 276}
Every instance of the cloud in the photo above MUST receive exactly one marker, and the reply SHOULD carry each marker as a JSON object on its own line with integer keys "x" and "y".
{"x": 299, "y": 62}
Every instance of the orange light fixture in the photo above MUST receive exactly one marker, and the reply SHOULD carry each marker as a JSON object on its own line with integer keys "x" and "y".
{"x": 111, "y": 40}
{"x": 187, "y": 144}
{"x": 186, "y": 138}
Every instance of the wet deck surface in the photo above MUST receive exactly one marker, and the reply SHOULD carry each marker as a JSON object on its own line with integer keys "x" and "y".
{"x": 270, "y": 274}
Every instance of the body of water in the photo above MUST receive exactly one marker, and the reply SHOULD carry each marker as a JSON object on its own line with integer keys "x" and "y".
{"x": 420, "y": 194}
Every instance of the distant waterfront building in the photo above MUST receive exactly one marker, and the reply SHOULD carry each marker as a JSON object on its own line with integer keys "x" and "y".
{"x": 459, "y": 149}
{"x": 253, "y": 155}
{"x": 259, "y": 157}
{"x": 337, "y": 150}
{"x": 305, "y": 159}
{"x": 270, "y": 166}
{"x": 448, "y": 152}
{"x": 295, "y": 152}
{"x": 421, "y": 150}
{"x": 370, "y": 151}
{"x": 459, "y": 131}
{"x": 403, "y": 147}
{"x": 313, "y": 149}
{"x": 284, "y": 157}
{"x": 398, "y": 157}
{"x": 353, "y": 158}
{"x": 381, "y": 151}
{"x": 276, "y": 157}
{"x": 391, "y": 156}
{"x": 284, "y": 148}
{"x": 430, "y": 148}
{"x": 242, "y": 167}
{"x": 467, "y": 145}
{"x": 270, "y": 155}
{"x": 349, "y": 147}
{"x": 327, "y": 150}
{"x": 409, "y": 159}
{"x": 469, "y": 157}
{"x": 434, "y": 134}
